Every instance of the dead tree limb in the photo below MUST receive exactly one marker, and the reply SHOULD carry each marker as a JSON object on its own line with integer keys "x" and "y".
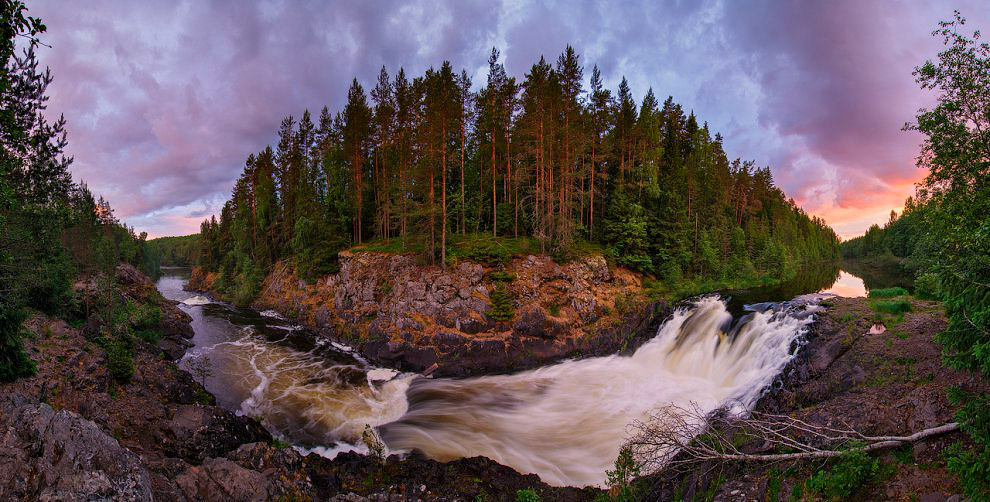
{"x": 676, "y": 438}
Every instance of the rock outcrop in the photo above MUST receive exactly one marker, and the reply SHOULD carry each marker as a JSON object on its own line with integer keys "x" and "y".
{"x": 58, "y": 455}
{"x": 409, "y": 316}
{"x": 72, "y": 433}
{"x": 133, "y": 287}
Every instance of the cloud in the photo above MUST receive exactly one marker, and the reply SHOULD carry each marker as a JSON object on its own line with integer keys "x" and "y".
{"x": 166, "y": 99}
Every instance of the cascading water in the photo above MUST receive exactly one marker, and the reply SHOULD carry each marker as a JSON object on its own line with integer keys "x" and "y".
{"x": 564, "y": 422}
{"x": 567, "y": 422}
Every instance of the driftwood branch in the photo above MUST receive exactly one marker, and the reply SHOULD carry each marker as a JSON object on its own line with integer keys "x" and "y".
{"x": 675, "y": 439}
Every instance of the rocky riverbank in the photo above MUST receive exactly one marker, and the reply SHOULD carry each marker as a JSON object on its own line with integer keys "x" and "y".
{"x": 851, "y": 375}
{"x": 467, "y": 319}
{"x": 72, "y": 432}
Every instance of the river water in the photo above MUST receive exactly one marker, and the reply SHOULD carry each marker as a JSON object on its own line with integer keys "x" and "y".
{"x": 565, "y": 422}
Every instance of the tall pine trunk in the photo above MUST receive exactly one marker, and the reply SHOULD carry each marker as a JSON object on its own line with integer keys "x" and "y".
{"x": 443, "y": 196}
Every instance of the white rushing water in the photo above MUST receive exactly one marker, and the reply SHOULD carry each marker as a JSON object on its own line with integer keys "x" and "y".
{"x": 567, "y": 422}
{"x": 197, "y": 300}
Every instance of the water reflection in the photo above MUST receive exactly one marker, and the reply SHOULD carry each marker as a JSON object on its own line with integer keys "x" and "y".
{"x": 847, "y": 285}
{"x": 812, "y": 279}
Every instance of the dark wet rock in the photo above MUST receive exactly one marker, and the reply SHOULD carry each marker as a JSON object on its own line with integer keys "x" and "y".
{"x": 207, "y": 431}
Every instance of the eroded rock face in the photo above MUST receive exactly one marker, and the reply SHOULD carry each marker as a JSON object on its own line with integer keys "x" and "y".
{"x": 410, "y": 316}
{"x": 207, "y": 431}
{"x": 49, "y": 455}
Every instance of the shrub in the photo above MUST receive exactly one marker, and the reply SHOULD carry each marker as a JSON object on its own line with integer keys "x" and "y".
{"x": 502, "y": 309}
{"x": 926, "y": 286}
{"x": 14, "y": 360}
{"x": 972, "y": 468}
{"x": 620, "y": 481}
{"x": 151, "y": 336}
{"x": 527, "y": 495}
{"x": 887, "y": 292}
{"x": 893, "y": 307}
{"x": 120, "y": 361}
{"x": 845, "y": 476}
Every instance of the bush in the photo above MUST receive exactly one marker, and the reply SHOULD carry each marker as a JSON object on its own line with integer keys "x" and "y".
{"x": 888, "y": 292}
{"x": 926, "y": 286}
{"x": 527, "y": 495}
{"x": 14, "y": 361}
{"x": 620, "y": 481}
{"x": 851, "y": 471}
{"x": 895, "y": 307}
{"x": 972, "y": 468}
{"x": 151, "y": 336}
{"x": 120, "y": 361}
{"x": 502, "y": 309}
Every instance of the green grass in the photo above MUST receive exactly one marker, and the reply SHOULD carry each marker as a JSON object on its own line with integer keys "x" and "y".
{"x": 888, "y": 292}
{"x": 892, "y": 307}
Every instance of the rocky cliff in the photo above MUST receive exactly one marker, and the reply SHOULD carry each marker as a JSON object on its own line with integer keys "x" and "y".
{"x": 409, "y": 316}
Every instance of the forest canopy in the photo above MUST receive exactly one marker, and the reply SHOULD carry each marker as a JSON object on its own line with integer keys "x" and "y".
{"x": 424, "y": 161}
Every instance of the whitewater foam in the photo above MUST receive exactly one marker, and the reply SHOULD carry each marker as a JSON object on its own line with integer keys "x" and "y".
{"x": 567, "y": 422}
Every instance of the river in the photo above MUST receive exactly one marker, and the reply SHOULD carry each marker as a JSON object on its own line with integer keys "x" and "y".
{"x": 564, "y": 422}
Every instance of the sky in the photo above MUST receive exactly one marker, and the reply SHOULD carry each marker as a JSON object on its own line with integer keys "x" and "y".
{"x": 165, "y": 99}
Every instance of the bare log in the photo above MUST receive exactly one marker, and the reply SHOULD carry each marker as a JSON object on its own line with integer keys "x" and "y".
{"x": 676, "y": 438}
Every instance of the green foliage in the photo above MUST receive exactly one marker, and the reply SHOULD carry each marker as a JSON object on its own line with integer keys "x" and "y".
{"x": 503, "y": 308}
{"x": 844, "y": 476}
{"x": 14, "y": 361}
{"x": 280, "y": 444}
{"x": 120, "y": 360}
{"x": 431, "y": 167}
{"x": 973, "y": 414}
{"x": 892, "y": 307}
{"x": 625, "y": 231}
{"x": 314, "y": 253}
{"x": 620, "y": 480}
{"x": 887, "y": 292}
{"x": 527, "y": 495}
{"x": 951, "y": 235}
{"x": 972, "y": 468}
{"x": 176, "y": 251}
{"x": 926, "y": 286}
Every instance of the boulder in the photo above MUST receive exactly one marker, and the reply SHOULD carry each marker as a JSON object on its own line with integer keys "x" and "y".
{"x": 199, "y": 432}
{"x": 49, "y": 455}
{"x": 222, "y": 479}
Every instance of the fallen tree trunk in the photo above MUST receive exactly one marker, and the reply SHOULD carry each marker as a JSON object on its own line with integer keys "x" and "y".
{"x": 890, "y": 442}
{"x": 676, "y": 438}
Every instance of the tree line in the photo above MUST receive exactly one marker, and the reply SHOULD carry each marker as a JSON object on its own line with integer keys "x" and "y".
{"x": 426, "y": 160}
{"x": 944, "y": 233}
{"x": 903, "y": 236}
{"x": 51, "y": 228}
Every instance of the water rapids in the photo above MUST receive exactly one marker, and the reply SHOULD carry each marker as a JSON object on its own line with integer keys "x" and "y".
{"x": 565, "y": 422}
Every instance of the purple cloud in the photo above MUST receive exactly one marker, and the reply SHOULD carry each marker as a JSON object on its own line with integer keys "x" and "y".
{"x": 165, "y": 100}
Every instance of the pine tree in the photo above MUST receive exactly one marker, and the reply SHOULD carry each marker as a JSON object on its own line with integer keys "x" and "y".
{"x": 357, "y": 118}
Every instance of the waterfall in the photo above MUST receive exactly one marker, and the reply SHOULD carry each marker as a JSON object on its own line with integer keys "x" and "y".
{"x": 567, "y": 422}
